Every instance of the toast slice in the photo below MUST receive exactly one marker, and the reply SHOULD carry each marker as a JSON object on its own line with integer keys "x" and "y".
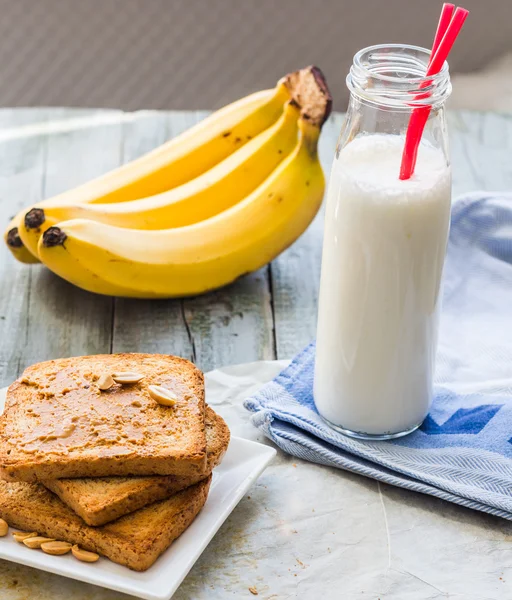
{"x": 135, "y": 540}
{"x": 101, "y": 500}
{"x": 57, "y": 423}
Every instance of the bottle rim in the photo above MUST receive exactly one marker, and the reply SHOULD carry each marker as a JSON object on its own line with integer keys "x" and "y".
{"x": 394, "y": 75}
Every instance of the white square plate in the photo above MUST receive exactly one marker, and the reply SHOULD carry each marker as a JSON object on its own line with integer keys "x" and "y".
{"x": 243, "y": 463}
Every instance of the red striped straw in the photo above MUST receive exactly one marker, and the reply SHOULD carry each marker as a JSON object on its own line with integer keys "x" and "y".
{"x": 450, "y": 24}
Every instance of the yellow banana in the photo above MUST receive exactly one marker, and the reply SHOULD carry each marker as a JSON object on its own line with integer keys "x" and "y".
{"x": 181, "y": 159}
{"x": 199, "y": 257}
{"x": 13, "y": 240}
{"x": 205, "y": 196}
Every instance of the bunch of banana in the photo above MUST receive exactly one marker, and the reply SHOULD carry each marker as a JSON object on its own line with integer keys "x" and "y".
{"x": 212, "y": 192}
{"x": 221, "y": 200}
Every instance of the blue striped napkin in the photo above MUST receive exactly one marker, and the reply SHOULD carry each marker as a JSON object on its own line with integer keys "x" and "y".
{"x": 463, "y": 450}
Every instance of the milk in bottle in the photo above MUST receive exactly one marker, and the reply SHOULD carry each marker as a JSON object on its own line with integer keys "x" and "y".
{"x": 384, "y": 247}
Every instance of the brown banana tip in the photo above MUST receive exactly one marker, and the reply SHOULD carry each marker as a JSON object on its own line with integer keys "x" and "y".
{"x": 53, "y": 236}
{"x": 308, "y": 89}
{"x": 324, "y": 89}
{"x": 13, "y": 238}
{"x": 34, "y": 218}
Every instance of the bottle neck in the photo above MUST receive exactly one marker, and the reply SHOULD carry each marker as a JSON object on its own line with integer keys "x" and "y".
{"x": 393, "y": 77}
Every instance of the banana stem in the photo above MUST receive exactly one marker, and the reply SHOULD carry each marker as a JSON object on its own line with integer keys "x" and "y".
{"x": 308, "y": 88}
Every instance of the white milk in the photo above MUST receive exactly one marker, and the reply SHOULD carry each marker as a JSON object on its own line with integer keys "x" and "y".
{"x": 383, "y": 255}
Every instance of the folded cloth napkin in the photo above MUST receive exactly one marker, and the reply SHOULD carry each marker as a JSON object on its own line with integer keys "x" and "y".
{"x": 463, "y": 450}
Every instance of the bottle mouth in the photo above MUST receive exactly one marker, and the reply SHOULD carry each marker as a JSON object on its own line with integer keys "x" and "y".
{"x": 394, "y": 75}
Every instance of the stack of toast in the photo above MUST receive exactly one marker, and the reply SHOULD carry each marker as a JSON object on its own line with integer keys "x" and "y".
{"x": 112, "y": 453}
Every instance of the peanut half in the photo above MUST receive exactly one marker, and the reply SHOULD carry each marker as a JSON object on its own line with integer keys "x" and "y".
{"x": 20, "y": 536}
{"x": 36, "y": 542}
{"x": 4, "y": 528}
{"x": 127, "y": 378}
{"x": 56, "y": 548}
{"x": 105, "y": 381}
{"x": 84, "y": 555}
{"x": 162, "y": 395}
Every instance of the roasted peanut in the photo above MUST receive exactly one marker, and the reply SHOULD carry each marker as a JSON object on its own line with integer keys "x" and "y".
{"x": 162, "y": 395}
{"x": 36, "y": 542}
{"x": 4, "y": 528}
{"x": 84, "y": 555}
{"x": 56, "y": 548}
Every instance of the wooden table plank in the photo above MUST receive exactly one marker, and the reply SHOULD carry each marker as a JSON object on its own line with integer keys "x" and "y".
{"x": 232, "y": 325}
{"x": 296, "y": 273}
{"x": 60, "y": 319}
{"x": 229, "y": 326}
{"x": 481, "y": 147}
{"x": 149, "y": 325}
{"x": 21, "y": 181}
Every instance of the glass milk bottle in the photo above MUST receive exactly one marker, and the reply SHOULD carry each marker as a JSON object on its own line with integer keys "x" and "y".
{"x": 384, "y": 247}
